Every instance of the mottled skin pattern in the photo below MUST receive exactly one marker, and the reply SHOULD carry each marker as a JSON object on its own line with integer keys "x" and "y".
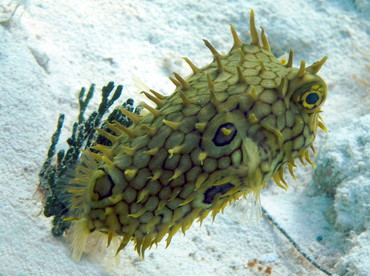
{"x": 225, "y": 131}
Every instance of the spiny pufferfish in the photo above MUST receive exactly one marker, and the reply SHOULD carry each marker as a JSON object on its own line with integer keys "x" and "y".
{"x": 223, "y": 133}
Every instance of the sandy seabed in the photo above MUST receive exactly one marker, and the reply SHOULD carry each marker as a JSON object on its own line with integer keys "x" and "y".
{"x": 50, "y": 49}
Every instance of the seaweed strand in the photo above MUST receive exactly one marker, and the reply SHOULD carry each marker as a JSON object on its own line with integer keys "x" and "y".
{"x": 82, "y": 137}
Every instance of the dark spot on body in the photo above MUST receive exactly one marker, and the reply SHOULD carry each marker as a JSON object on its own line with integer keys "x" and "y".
{"x": 211, "y": 192}
{"x": 222, "y": 139}
{"x": 104, "y": 186}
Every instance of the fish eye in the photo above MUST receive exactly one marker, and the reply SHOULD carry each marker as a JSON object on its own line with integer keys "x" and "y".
{"x": 311, "y": 98}
{"x": 224, "y": 135}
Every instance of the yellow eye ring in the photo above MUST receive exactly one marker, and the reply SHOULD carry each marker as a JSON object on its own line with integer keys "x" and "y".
{"x": 311, "y": 99}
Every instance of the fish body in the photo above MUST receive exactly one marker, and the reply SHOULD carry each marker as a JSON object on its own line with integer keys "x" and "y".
{"x": 223, "y": 133}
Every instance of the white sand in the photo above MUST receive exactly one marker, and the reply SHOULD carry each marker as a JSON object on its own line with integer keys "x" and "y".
{"x": 49, "y": 49}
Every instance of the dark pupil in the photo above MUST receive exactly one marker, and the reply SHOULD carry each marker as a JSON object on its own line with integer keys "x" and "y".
{"x": 222, "y": 139}
{"x": 312, "y": 98}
